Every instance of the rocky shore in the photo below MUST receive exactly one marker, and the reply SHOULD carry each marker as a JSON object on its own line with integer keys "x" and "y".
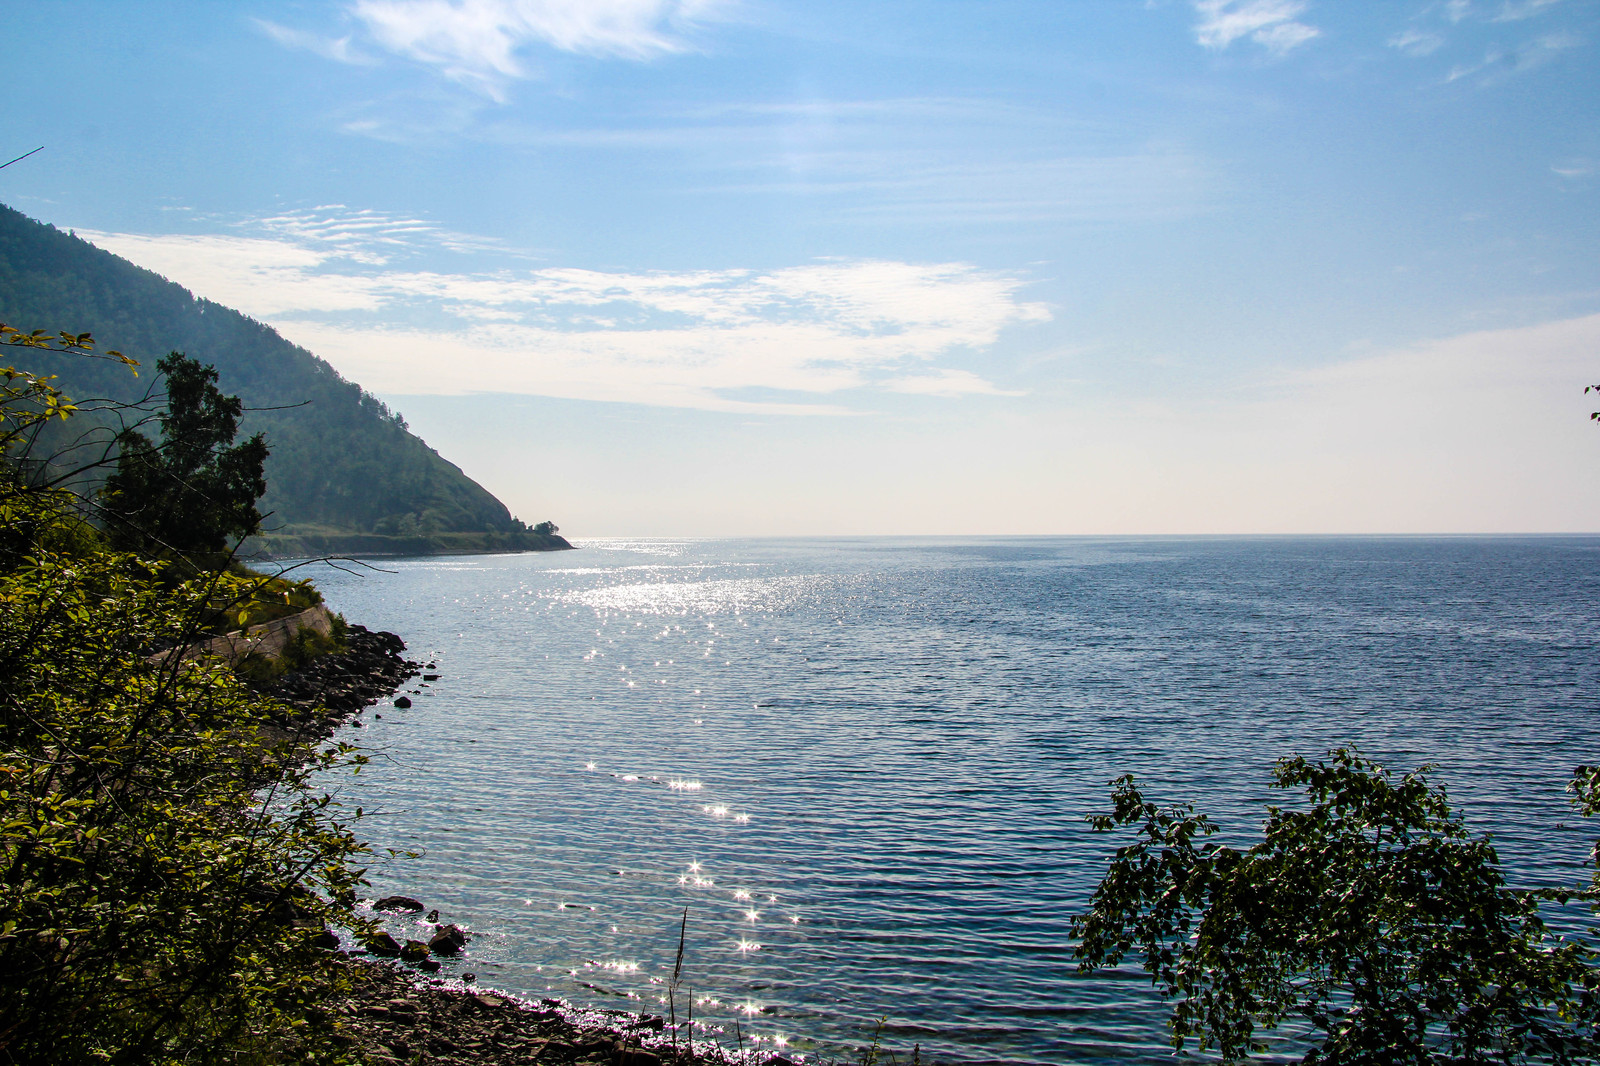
{"x": 327, "y": 691}
{"x": 396, "y": 1013}
{"x": 394, "y": 1016}
{"x": 399, "y": 1014}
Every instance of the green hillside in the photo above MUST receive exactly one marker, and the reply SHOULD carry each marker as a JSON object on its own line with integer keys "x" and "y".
{"x": 345, "y": 474}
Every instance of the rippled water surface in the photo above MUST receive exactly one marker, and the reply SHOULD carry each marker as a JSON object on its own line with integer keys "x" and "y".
{"x": 863, "y": 765}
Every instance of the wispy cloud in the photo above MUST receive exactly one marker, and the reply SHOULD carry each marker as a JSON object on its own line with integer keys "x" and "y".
{"x": 1440, "y": 24}
{"x": 1416, "y": 42}
{"x": 718, "y": 339}
{"x": 905, "y": 160}
{"x": 1273, "y": 24}
{"x": 1151, "y": 182}
{"x": 480, "y": 43}
{"x": 1500, "y": 64}
{"x": 366, "y": 235}
{"x": 338, "y": 49}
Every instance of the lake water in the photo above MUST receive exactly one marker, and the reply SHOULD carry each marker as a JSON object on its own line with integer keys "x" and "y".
{"x": 863, "y": 765}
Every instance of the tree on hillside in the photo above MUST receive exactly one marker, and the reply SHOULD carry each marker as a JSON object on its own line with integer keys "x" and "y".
{"x": 341, "y": 460}
{"x": 196, "y": 489}
{"x": 1372, "y": 922}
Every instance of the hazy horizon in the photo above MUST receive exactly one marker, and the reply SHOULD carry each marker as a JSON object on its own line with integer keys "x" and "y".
{"x": 756, "y": 268}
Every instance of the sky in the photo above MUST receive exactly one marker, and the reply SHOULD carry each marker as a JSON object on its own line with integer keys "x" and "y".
{"x": 772, "y": 267}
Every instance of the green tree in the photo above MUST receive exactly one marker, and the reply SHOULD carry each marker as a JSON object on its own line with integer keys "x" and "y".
{"x": 197, "y": 489}
{"x": 1371, "y": 920}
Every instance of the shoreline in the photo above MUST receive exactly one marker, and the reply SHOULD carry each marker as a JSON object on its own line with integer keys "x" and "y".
{"x": 312, "y": 545}
{"x": 333, "y": 689}
{"x": 393, "y": 1016}
{"x": 396, "y": 1014}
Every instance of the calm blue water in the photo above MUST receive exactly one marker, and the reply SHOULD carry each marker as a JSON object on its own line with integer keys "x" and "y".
{"x": 863, "y": 765}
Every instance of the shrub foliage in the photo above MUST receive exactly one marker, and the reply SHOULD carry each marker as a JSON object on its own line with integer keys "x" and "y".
{"x": 168, "y": 868}
{"x": 1371, "y": 923}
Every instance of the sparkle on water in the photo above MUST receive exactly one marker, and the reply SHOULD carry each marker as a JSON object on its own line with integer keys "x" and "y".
{"x": 900, "y": 738}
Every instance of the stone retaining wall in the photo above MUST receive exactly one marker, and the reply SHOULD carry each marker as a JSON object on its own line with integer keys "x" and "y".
{"x": 270, "y": 639}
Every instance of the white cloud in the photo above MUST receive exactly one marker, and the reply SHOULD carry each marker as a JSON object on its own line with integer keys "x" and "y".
{"x": 1416, "y": 42}
{"x": 719, "y": 339}
{"x": 260, "y": 277}
{"x": 1482, "y": 432}
{"x": 1273, "y": 24}
{"x": 1515, "y": 12}
{"x": 338, "y": 49}
{"x": 477, "y": 42}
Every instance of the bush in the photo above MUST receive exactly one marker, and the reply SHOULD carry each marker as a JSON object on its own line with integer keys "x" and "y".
{"x": 158, "y": 904}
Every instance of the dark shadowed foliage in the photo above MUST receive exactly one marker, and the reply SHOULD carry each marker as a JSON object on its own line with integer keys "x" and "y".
{"x": 195, "y": 491}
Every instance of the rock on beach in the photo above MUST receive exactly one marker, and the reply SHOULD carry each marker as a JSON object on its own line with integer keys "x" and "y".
{"x": 403, "y": 904}
{"x": 448, "y": 940}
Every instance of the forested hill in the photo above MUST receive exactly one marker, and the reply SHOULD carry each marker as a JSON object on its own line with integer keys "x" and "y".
{"x": 344, "y": 474}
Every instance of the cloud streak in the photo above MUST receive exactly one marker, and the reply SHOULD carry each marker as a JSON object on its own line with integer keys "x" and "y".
{"x": 338, "y": 49}
{"x": 1499, "y": 64}
{"x": 1527, "y": 9}
{"x": 757, "y": 340}
{"x": 890, "y": 160}
{"x": 1416, "y": 43}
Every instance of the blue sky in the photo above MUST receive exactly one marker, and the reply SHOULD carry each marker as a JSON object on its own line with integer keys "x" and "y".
{"x": 721, "y": 267}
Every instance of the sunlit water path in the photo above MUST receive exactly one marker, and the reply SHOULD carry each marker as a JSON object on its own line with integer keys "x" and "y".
{"x": 863, "y": 765}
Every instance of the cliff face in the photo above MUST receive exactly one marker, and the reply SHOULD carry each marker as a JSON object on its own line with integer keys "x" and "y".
{"x": 342, "y": 463}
